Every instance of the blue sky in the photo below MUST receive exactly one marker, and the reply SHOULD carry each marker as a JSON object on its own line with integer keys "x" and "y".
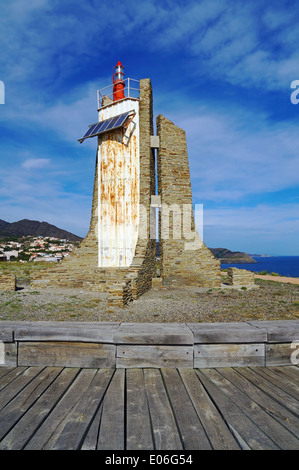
{"x": 222, "y": 70}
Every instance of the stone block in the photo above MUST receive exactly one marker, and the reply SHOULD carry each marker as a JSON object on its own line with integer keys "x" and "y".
{"x": 157, "y": 282}
{"x": 155, "y": 141}
{"x": 239, "y": 277}
{"x": 7, "y": 282}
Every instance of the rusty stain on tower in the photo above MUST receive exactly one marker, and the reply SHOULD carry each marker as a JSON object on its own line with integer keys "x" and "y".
{"x": 118, "y": 175}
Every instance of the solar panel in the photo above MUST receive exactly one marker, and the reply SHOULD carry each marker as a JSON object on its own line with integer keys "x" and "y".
{"x": 90, "y": 130}
{"x": 105, "y": 126}
{"x": 112, "y": 123}
{"x": 98, "y": 127}
{"x": 120, "y": 120}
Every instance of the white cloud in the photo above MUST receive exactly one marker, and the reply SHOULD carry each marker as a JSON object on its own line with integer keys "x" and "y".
{"x": 237, "y": 153}
{"x": 39, "y": 196}
{"x": 248, "y": 44}
{"x": 36, "y": 163}
{"x": 262, "y": 217}
{"x": 68, "y": 117}
{"x": 270, "y": 229}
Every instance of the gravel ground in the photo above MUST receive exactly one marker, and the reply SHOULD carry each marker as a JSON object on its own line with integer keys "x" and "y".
{"x": 266, "y": 300}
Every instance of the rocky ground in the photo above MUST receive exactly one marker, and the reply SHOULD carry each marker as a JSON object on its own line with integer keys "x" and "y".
{"x": 267, "y": 300}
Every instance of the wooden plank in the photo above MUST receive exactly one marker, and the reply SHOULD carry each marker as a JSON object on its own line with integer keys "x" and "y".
{"x": 139, "y": 433}
{"x": 271, "y": 406}
{"x": 72, "y": 430}
{"x": 6, "y": 333}
{"x": 157, "y": 333}
{"x": 165, "y": 431}
{"x": 284, "y": 335}
{"x": 46, "y": 435}
{"x": 8, "y": 354}
{"x": 5, "y": 370}
{"x": 26, "y": 428}
{"x": 232, "y": 332}
{"x": 2, "y": 354}
{"x": 272, "y": 428}
{"x": 228, "y": 355}
{"x": 67, "y": 354}
{"x": 279, "y": 354}
{"x": 282, "y": 382}
{"x": 112, "y": 433}
{"x": 272, "y": 390}
{"x": 279, "y": 330}
{"x": 99, "y": 332}
{"x": 291, "y": 373}
{"x": 10, "y": 376}
{"x": 14, "y": 410}
{"x": 91, "y": 439}
{"x": 249, "y": 435}
{"x": 153, "y": 356}
{"x": 16, "y": 386}
{"x": 192, "y": 432}
{"x": 15, "y": 325}
{"x": 217, "y": 430}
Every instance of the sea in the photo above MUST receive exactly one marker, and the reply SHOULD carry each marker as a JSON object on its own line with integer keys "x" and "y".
{"x": 283, "y": 265}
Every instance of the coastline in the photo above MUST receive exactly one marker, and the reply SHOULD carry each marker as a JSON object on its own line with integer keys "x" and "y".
{"x": 268, "y": 277}
{"x": 283, "y": 266}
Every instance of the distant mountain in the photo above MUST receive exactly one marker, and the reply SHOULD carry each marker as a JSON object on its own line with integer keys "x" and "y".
{"x": 227, "y": 256}
{"x": 25, "y": 227}
{"x": 3, "y": 224}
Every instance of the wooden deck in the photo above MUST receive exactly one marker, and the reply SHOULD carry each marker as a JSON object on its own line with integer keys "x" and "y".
{"x": 149, "y": 408}
{"x": 113, "y": 345}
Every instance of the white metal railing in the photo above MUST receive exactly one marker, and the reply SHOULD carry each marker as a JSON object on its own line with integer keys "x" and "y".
{"x": 131, "y": 91}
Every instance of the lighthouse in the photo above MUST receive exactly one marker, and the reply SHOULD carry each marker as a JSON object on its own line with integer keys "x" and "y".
{"x": 117, "y": 131}
{"x": 118, "y": 82}
{"x": 136, "y": 172}
{"x": 118, "y": 179}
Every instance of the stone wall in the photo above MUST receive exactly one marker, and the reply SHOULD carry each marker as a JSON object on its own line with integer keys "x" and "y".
{"x": 80, "y": 268}
{"x": 7, "y": 282}
{"x": 239, "y": 277}
{"x": 185, "y": 260}
{"x": 143, "y": 266}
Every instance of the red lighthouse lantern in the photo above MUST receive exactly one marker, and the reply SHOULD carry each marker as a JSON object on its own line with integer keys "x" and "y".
{"x": 118, "y": 82}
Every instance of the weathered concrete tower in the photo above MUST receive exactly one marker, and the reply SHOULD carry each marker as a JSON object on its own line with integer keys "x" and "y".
{"x": 118, "y": 254}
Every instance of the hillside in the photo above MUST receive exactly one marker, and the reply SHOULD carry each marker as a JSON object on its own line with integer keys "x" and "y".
{"x": 227, "y": 256}
{"x": 25, "y": 227}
